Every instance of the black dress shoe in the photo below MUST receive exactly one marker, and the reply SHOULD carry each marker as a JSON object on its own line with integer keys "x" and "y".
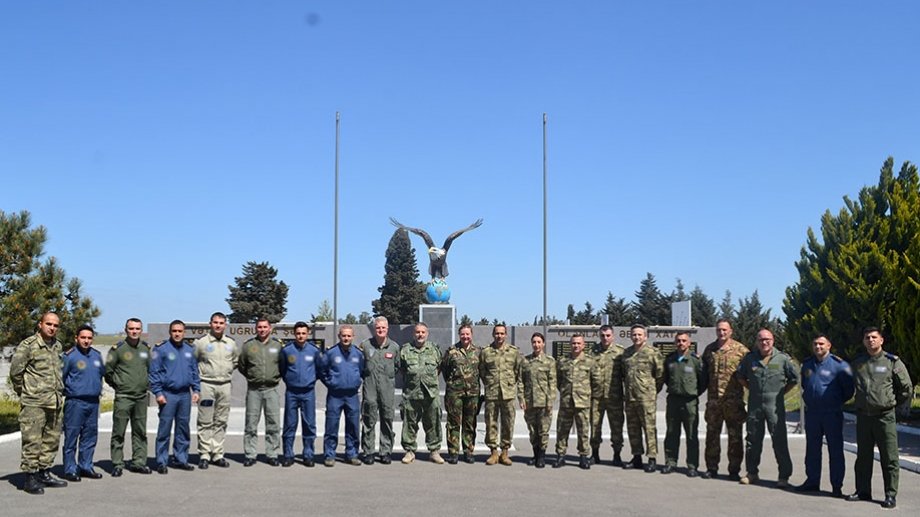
{"x": 45, "y": 477}
{"x": 91, "y": 474}
{"x": 139, "y": 469}
{"x": 636, "y": 463}
{"x": 734, "y": 476}
{"x": 856, "y": 496}
{"x": 273, "y": 462}
{"x": 182, "y": 466}
{"x": 709, "y": 474}
{"x": 117, "y": 472}
{"x": 385, "y": 459}
{"x": 287, "y": 462}
{"x": 33, "y": 485}
{"x": 222, "y": 463}
{"x": 807, "y": 487}
{"x": 692, "y": 473}
{"x": 368, "y": 459}
{"x": 72, "y": 476}
{"x": 651, "y": 466}
{"x": 889, "y": 502}
{"x": 203, "y": 464}
{"x": 617, "y": 460}
{"x": 308, "y": 462}
{"x": 667, "y": 469}
{"x": 248, "y": 462}
{"x": 837, "y": 492}
{"x": 162, "y": 469}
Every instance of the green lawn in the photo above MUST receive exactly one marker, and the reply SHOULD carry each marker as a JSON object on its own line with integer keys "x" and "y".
{"x": 9, "y": 413}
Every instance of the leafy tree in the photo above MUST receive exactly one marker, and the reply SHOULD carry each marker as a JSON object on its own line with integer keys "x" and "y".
{"x": 585, "y": 316}
{"x": 550, "y": 320}
{"x": 323, "y": 312}
{"x": 257, "y": 294}
{"x": 862, "y": 271}
{"x": 30, "y": 286}
{"x": 401, "y": 292}
{"x": 703, "y": 308}
{"x": 619, "y": 312}
{"x": 483, "y": 321}
{"x": 364, "y": 318}
{"x": 466, "y": 320}
{"x": 726, "y": 307}
{"x": 651, "y": 307}
{"x": 349, "y": 319}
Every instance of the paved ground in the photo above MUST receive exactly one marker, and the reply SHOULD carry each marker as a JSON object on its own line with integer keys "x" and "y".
{"x": 423, "y": 488}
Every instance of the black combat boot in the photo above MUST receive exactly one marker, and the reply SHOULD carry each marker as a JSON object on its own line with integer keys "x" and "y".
{"x": 44, "y": 476}
{"x": 636, "y": 463}
{"x": 560, "y": 461}
{"x": 617, "y": 460}
{"x": 539, "y": 460}
{"x": 651, "y": 466}
{"x": 33, "y": 485}
{"x": 584, "y": 463}
{"x": 596, "y": 455}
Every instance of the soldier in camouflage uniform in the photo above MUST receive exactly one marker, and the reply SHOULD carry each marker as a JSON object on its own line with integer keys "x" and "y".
{"x": 882, "y": 384}
{"x": 378, "y": 400}
{"x": 607, "y": 396}
{"x": 725, "y": 401}
{"x": 36, "y": 377}
{"x": 643, "y": 376}
{"x": 573, "y": 377}
{"x": 126, "y": 368}
{"x": 460, "y": 368}
{"x": 420, "y": 361}
{"x": 500, "y": 369}
{"x": 539, "y": 376}
{"x": 683, "y": 375}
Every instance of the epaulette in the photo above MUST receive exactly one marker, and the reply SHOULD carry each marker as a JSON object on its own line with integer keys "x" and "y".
{"x": 694, "y": 355}
{"x": 891, "y": 356}
{"x": 116, "y": 345}
{"x": 836, "y": 358}
{"x": 161, "y": 344}
{"x": 69, "y": 350}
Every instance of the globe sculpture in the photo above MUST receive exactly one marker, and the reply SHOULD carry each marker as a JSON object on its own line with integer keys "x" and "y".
{"x": 437, "y": 290}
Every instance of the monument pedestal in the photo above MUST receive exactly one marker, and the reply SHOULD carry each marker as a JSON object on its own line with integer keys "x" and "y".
{"x": 441, "y": 319}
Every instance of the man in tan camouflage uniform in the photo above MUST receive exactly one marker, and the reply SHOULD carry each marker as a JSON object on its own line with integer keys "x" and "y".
{"x": 460, "y": 368}
{"x": 539, "y": 376}
{"x": 725, "y": 402}
{"x": 36, "y": 377}
{"x": 573, "y": 376}
{"x": 500, "y": 369}
{"x": 607, "y": 396}
{"x": 643, "y": 377}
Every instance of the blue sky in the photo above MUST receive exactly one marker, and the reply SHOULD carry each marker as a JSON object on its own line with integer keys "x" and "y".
{"x": 164, "y": 144}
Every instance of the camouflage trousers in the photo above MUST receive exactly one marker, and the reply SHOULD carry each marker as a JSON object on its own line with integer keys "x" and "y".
{"x": 41, "y": 436}
{"x": 614, "y": 410}
{"x": 733, "y": 415}
{"x": 538, "y": 421}
{"x": 428, "y": 411}
{"x": 640, "y": 417}
{"x": 499, "y": 411}
{"x": 564, "y": 420}
{"x": 461, "y": 421}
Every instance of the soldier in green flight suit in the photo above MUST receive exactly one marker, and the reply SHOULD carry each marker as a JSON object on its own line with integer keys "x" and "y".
{"x": 683, "y": 375}
{"x": 573, "y": 377}
{"x": 460, "y": 368}
{"x": 643, "y": 376}
{"x": 500, "y": 370}
{"x": 607, "y": 396}
{"x": 36, "y": 374}
{"x": 420, "y": 361}
{"x": 378, "y": 391}
{"x": 258, "y": 362}
{"x": 768, "y": 374}
{"x": 126, "y": 368}
{"x": 882, "y": 384}
{"x": 539, "y": 376}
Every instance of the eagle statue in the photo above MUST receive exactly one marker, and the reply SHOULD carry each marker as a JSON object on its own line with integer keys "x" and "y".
{"x": 437, "y": 267}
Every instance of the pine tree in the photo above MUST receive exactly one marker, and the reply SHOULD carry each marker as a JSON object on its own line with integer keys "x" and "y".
{"x": 651, "y": 307}
{"x": 323, "y": 312}
{"x": 585, "y": 316}
{"x": 257, "y": 294}
{"x": 466, "y": 320}
{"x": 30, "y": 286}
{"x": 401, "y": 292}
{"x": 726, "y": 307}
{"x": 703, "y": 307}
{"x": 749, "y": 319}
{"x": 679, "y": 295}
{"x": 618, "y": 311}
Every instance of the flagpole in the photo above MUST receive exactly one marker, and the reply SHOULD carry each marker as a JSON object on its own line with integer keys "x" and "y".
{"x": 335, "y": 251}
{"x": 544, "y": 225}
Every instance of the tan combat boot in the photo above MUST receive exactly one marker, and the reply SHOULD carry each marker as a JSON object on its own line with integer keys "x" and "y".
{"x": 493, "y": 458}
{"x": 436, "y": 458}
{"x": 504, "y": 459}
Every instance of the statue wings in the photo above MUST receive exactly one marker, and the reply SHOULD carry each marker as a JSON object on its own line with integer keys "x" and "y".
{"x": 427, "y": 238}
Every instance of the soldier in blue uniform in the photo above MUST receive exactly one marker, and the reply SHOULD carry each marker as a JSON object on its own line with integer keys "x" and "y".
{"x": 298, "y": 363}
{"x": 340, "y": 370}
{"x": 175, "y": 383}
{"x": 827, "y": 382}
{"x": 83, "y": 372}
